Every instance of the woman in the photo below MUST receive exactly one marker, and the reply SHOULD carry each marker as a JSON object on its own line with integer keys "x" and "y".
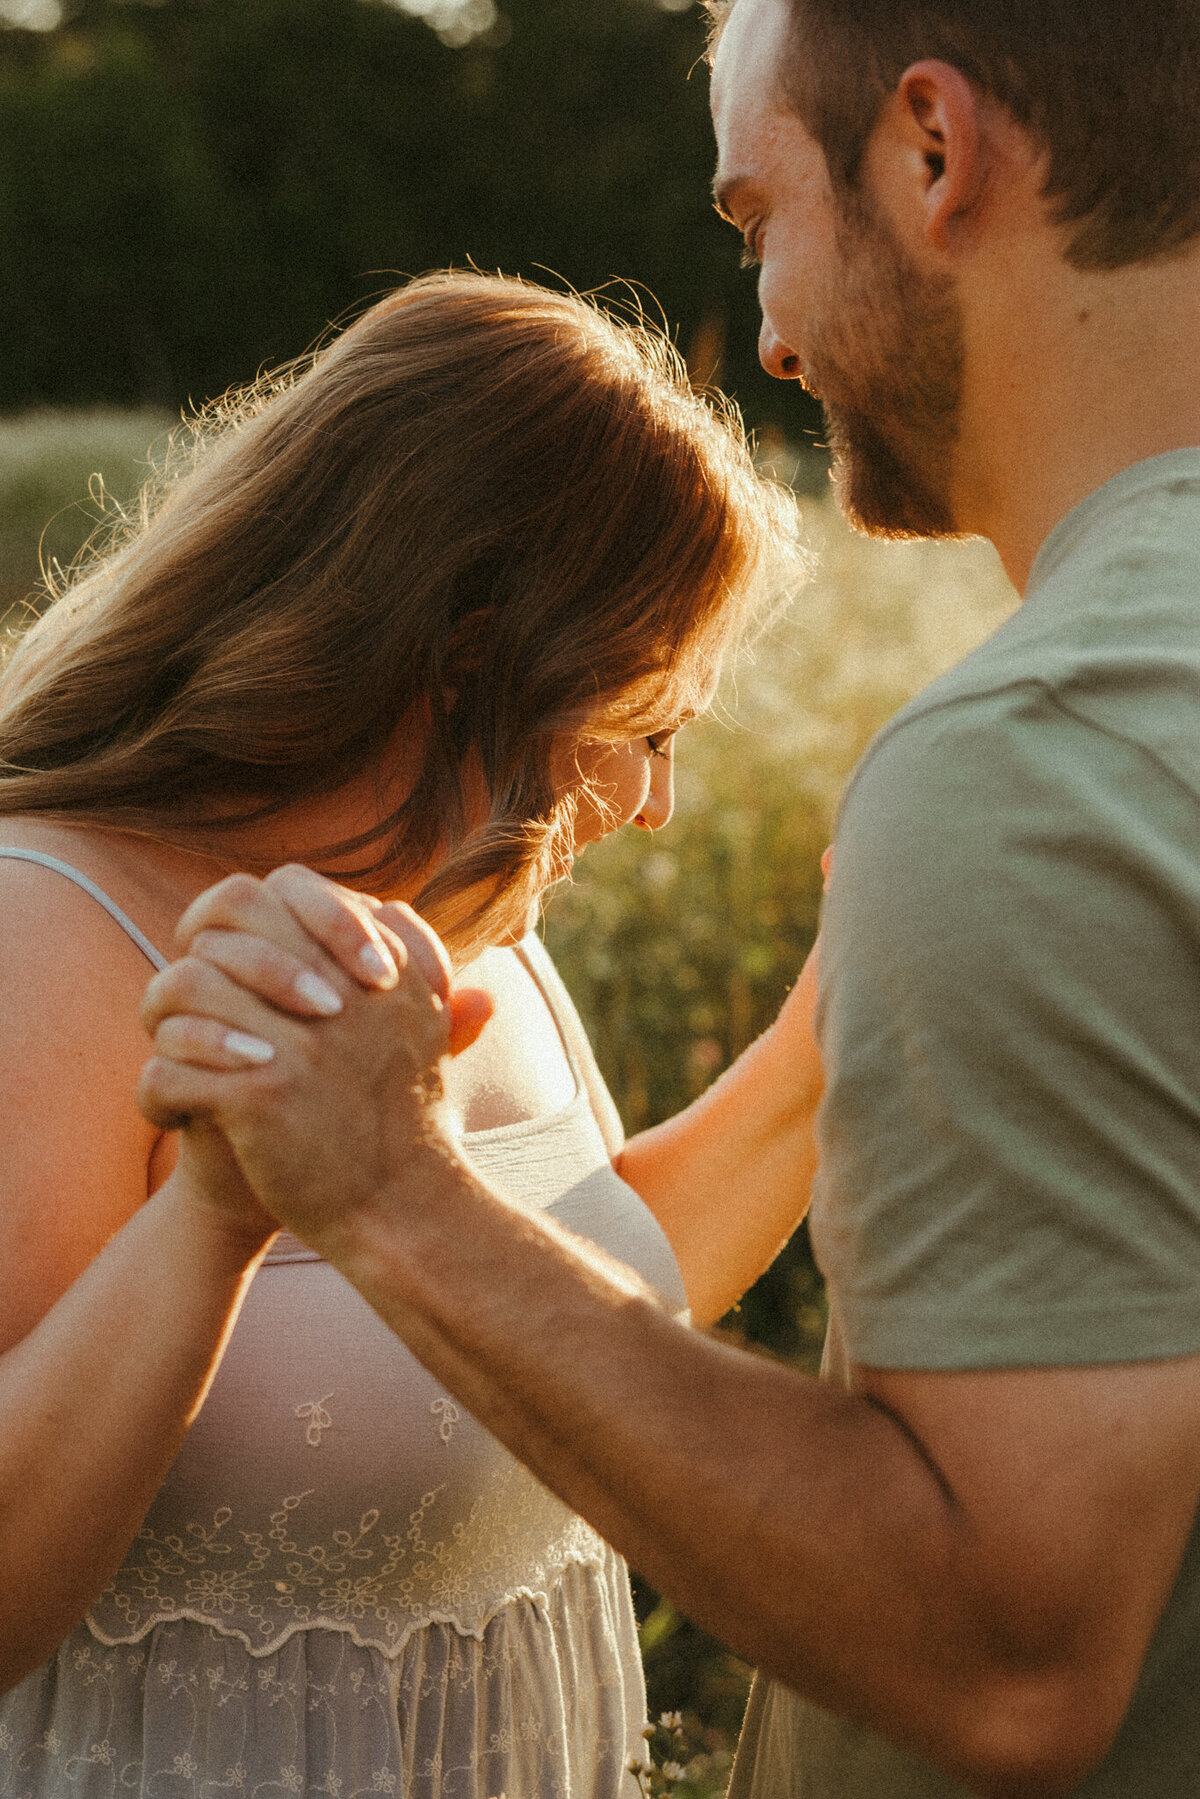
{"x": 424, "y": 615}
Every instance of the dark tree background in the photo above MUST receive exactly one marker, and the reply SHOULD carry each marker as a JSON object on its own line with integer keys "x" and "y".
{"x": 192, "y": 189}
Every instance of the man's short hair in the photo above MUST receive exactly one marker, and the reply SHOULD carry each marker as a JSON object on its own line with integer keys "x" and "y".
{"x": 1111, "y": 88}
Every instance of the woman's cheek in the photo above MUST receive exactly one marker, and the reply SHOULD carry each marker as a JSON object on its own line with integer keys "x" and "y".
{"x": 619, "y": 780}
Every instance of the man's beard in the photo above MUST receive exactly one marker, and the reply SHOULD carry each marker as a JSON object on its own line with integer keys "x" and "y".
{"x": 887, "y": 364}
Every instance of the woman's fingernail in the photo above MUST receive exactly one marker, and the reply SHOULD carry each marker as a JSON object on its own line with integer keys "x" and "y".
{"x": 317, "y": 994}
{"x": 377, "y": 967}
{"x": 249, "y": 1049}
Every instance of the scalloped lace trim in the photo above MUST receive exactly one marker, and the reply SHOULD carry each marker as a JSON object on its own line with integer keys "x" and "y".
{"x": 377, "y": 1586}
{"x": 395, "y": 1645}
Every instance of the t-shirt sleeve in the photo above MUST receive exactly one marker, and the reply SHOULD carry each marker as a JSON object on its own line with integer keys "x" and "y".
{"x": 1010, "y": 1019}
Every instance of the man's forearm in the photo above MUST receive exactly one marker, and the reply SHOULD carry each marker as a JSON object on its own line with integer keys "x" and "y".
{"x": 804, "y": 1525}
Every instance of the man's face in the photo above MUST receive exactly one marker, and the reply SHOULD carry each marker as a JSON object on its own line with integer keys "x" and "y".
{"x": 846, "y": 311}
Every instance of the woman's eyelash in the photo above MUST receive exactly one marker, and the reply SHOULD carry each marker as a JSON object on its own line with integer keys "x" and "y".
{"x": 657, "y": 743}
{"x": 748, "y": 258}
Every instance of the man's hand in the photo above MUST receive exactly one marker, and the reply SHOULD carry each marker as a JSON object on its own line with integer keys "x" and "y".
{"x": 306, "y": 1025}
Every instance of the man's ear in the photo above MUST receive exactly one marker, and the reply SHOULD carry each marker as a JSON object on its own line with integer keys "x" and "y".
{"x": 927, "y": 152}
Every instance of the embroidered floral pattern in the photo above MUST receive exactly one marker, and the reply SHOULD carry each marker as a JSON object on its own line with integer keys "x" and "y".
{"x": 319, "y": 1420}
{"x": 189, "y": 1713}
{"x": 449, "y": 1415}
{"x": 264, "y": 1582}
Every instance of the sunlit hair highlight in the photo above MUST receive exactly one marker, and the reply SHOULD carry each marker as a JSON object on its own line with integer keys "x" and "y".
{"x": 489, "y": 513}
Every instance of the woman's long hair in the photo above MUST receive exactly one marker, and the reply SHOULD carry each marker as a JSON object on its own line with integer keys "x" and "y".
{"x": 487, "y": 509}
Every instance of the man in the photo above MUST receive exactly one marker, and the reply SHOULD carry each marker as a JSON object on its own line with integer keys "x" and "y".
{"x": 969, "y": 1558}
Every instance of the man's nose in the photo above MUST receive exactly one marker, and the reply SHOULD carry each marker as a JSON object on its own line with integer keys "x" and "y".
{"x": 778, "y": 358}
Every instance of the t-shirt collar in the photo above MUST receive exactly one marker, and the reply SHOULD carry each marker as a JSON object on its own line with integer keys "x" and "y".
{"x": 1155, "y": 471}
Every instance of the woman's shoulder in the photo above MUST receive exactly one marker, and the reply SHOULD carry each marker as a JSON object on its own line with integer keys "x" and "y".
{"x": 74, "y": 1150}
{"x": 57, "y": 910}
{"x": 85, "y": 885}
{"x": 72, "y": 975}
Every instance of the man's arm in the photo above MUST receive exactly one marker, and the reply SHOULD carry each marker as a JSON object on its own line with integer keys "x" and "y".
{"x": 971, "y": 1563}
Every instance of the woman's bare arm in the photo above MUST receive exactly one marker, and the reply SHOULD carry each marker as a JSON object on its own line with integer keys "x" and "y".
{"x": 115, "y": 1307}
{"x": 729, "y": 1178}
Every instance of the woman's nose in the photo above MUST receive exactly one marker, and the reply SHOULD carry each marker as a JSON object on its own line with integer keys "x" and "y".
{"x": 660, "y": 801}
{"x": 778, "y": 358}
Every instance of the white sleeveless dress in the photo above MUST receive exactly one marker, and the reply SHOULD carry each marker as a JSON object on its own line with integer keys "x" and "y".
{"x": 345, "y": 1586}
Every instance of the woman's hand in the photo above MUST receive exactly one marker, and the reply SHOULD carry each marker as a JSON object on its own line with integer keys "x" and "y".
{"x": 306, "y": 1025}
{"x": 291, "y": 936}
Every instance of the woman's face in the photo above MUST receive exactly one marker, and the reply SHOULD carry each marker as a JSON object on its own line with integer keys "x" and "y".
{"x": 626, "y": 783}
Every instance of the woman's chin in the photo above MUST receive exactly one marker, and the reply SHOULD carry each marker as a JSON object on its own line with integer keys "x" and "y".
{"x": 492, "y": 936}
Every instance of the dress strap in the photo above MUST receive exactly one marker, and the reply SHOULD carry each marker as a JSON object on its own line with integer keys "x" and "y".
{"x": 588, "y": 1078}
{"x": 97, "y": 893}
{"x": 532, "y": 954}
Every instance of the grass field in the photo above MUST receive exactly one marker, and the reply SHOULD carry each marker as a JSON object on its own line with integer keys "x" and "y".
{"x": 60, "y": 472}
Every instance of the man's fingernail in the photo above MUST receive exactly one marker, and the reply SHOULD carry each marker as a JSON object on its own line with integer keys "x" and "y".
{"x": 252, "y": 1050}
{"x": 377, "y": 967}
{"x": 317, "y": 994}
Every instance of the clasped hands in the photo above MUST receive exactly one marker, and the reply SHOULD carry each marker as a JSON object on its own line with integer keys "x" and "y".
{"x": 298, "y": 1045}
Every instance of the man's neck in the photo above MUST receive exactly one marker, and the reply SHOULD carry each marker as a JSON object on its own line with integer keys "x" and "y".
{"x": 1071, "y": 378}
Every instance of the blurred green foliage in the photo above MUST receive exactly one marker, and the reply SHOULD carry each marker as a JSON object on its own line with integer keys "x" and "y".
{"x": 61, "y": 475}
{"x": 680, "y": 949}
{"x": 191, "y": 189}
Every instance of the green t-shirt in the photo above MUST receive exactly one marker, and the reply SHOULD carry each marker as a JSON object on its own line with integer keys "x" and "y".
{"x": 1010, "y": 1020}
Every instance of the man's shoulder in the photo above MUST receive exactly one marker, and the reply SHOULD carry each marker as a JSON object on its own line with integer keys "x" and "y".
{"x": 968, "y": 748}
{"x": 1105, "y": 651}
